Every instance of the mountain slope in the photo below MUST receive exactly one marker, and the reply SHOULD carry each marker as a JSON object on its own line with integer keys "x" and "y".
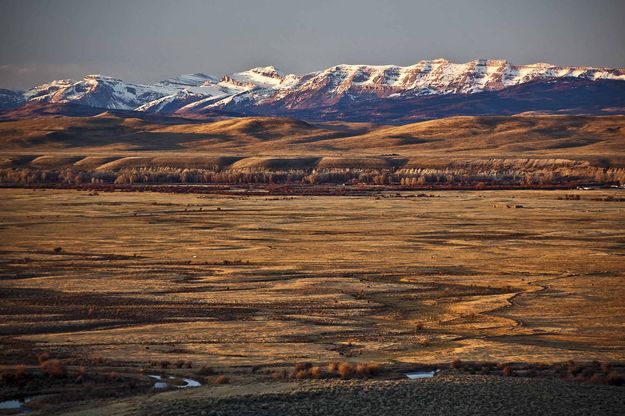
{"x": 10, "y": 99}
{"x": 352, "y": 92}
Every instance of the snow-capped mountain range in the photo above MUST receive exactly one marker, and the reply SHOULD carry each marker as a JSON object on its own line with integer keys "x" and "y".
{"x": 266, "y": 90}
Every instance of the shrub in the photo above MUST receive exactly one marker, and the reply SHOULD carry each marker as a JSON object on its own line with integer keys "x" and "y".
{"x": 507, "y": 371}
{"x": 420, "y": 326}
{"x": 367, "y": 370}
{"x": 278, "y": 375}
{"x": 222, "y": 379}
{"x": 587, "y": 373}
{"x": 333, "y": 368}
{"x": 316, "y": 372}
{"x": 53, "y": 368}
{"x": 300, "y": 374}
{"x": 302, "y": 366}
{"x": 345, "y": 370}
{"x": 574, "y": 369}
{"x": 180, "y": 363}
{"x": 20, "y": 371}
{"x": 165, "y": 364}
{"x": 456, "y": 363}
{"x": 598, "y": 379}
{"x": 363, "y": 370}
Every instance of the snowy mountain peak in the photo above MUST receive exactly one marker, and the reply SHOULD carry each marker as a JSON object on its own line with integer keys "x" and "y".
{"x": 268, "y": 87}
{"x": 260, "y": 77}
{"x": 193, "y": 80}
{"x": 268, "y": 71}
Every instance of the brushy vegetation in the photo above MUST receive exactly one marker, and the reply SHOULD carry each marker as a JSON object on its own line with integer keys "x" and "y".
{"x": 344, "y": 370}
{"x": 581, "y": 372}
{"x": 521, "y": 172}
{"x": 53, "y": 368}
{"x": 222, "y": 379}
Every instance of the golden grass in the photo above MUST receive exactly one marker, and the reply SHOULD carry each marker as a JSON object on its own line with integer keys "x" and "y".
{"x": 320, "y": 279}
{"x": 600, "y": 139}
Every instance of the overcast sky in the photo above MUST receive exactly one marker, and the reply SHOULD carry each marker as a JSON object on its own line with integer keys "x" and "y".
{"x": 149, "y": 40}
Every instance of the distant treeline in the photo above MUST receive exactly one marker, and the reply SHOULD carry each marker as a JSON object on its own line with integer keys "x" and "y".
{"x": 470, "y": 174}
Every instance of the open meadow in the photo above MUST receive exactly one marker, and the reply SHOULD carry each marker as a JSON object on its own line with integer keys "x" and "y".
{"x": 249, "y": 285}
{"x": 238, "y": 280}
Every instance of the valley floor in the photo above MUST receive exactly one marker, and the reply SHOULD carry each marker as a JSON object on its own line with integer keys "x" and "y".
{"x": 133, "y": 283}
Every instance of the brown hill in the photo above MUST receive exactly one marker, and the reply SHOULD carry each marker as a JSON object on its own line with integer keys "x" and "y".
{"x": 600, "y": 139}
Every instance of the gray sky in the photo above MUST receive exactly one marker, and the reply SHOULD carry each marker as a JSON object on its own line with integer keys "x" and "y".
{"x": 149, "y": 40}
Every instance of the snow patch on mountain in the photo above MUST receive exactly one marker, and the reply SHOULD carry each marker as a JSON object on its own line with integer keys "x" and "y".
{"x": 268, "y": 86}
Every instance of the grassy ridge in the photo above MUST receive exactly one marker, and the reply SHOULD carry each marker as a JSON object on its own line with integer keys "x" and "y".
{"x": 518, "y": 136}
{"x": 514, "y": 150}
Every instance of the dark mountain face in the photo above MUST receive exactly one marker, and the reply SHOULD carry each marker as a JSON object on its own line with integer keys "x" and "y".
{"x": 10, "y": 99}
{"x": 368, "y": 94}
{"x": 569, "y": 96}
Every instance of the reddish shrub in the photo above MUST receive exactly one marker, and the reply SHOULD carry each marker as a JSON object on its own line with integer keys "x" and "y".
{"x": 598, "y": 379}
{"x": 53, "y": 368}
{"x": 222, "y": 379}
{"x": 300, "y": 374}
{"x": 345, "y": 370}
{"x": 302, "y": 366}
{"x": 316, "y": 372}
{"x": 20, "y": 371}
{"x": 456, "y": 363}
{"x": 333, "y": 368}
{"x": 367, "y": 370}
{"x": 507, "y": 371}
{"x": 278, "y": 375}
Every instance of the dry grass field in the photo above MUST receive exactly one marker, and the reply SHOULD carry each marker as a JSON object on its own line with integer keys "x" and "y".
{"x": 113, "y": 286}
{"x": 243, "y": 280}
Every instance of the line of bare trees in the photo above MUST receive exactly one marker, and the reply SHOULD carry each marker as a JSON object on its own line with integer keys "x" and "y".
{"x": 456, "y": 175}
